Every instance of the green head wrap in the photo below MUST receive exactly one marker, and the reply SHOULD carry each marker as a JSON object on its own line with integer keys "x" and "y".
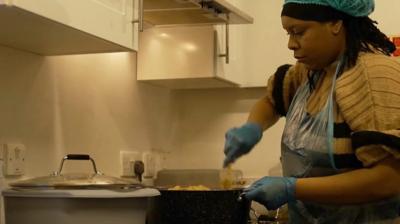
{"x": 355, "y": 8}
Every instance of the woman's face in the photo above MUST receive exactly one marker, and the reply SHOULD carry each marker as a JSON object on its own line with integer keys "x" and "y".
{"x": 314, "y": 44}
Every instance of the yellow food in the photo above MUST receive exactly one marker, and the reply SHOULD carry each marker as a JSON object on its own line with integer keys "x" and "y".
{"x": 226, "y": 184}
{"x": 226, "y": 177}
{"x": 190, "y": 188}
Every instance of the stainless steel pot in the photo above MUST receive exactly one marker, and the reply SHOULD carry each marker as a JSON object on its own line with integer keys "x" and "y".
{"x": 78, "y": 180}
{"x": 77, "y": 198}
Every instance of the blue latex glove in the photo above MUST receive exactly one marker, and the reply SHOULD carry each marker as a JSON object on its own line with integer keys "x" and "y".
{"x": 239, "y": 141}
{"x": 272, "y": 192}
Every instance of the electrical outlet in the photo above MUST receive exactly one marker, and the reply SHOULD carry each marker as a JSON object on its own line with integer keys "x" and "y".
{"x": 159, "y": 163}
{"x": 152, "y": 164}
{"x": 149, "y": 160}
{"x": 14, "y": 158}
{"x": 126, "y": 160}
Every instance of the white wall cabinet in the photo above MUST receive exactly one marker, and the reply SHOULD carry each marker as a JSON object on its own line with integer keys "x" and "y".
{"x": 255, "y": 51}
{"x": 53, "y": 27}
{"x": 260, "y": 47}
{"x": 181, "y": 57}
{"x": 193, "y": 56}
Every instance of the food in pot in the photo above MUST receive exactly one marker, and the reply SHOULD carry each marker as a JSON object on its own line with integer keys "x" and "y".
{"x": 190, "y": 188}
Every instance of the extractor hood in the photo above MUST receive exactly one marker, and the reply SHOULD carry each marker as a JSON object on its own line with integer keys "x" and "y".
{"x": 192, "y": 12}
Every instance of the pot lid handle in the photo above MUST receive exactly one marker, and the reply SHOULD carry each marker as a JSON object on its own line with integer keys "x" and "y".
{"x": 77, "y": 157}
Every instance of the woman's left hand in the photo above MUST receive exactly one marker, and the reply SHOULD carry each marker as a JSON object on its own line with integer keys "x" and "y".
{"x": 272, "y": 192}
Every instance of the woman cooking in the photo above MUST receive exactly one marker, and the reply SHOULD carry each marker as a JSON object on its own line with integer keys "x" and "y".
{"x": 341, "y": 141}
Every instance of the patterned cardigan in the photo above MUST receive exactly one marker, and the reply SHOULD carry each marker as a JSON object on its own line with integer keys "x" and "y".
{"x": 366, "y": 107}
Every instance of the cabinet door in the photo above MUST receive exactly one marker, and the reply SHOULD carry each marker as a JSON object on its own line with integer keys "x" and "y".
{"x": 180, "y": 57}
{"x": 257, "y": 49}
{"x": 233, "y": 69}
{"x": 107, "y": 19}
{"x": 229, "y": 44}
{"x": 176, "y": 53}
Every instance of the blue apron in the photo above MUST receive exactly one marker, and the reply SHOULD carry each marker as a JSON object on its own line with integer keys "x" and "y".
{"x": 307, "y": 151}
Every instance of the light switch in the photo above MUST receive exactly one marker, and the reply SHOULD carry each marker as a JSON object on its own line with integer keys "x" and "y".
{"x": 14, "y": 157}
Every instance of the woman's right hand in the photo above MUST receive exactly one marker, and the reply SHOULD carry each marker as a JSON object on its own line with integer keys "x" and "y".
{"x": 240, "y": 140}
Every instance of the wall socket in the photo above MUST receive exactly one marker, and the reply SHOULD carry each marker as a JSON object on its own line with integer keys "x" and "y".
{"x": 14, "y": 159}
{"x": 126, "y": 160}
{"x": 149, "y": 160}
{"x": 152, "y": 164}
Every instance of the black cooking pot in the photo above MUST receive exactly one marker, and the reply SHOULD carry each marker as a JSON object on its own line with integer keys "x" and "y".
{"x": 215, "y": 206}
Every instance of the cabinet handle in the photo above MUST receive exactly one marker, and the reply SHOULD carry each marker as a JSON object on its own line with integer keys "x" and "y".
{"x": 226, "y": 55}
{"x": 140, "y": 17}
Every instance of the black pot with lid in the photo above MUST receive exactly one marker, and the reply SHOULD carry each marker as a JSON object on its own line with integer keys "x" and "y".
{"x": 197, "y": 197}
{"x": 215, "y": 206}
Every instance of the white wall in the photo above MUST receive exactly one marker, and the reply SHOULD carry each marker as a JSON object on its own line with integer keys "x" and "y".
{"x": 205, "y": 116}
{"x": 79, "y": 104}
{"x": 386, "y": 14}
